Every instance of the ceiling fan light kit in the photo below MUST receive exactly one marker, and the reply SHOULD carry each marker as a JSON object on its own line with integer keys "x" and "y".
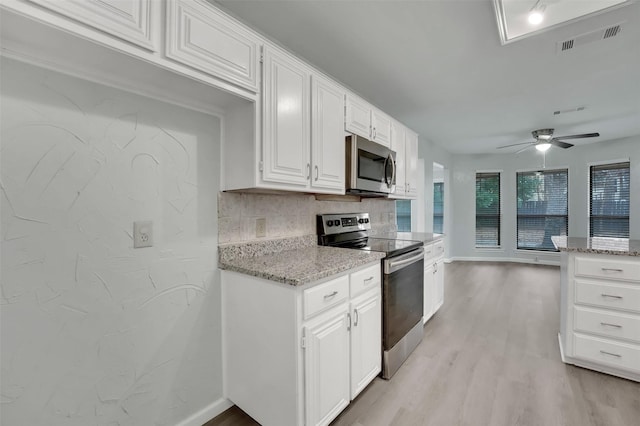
{"x": 544, "y": 139}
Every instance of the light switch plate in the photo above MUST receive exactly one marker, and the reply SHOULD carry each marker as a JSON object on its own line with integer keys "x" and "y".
{"x": 142, "y": 233}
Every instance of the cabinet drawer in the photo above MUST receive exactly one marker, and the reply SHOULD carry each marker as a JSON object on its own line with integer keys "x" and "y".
{"x": 616, "y": 269}
{"x": 609, "y": 295}
{"x": 607, "y": 352}
{"x": 438, "y": 249}
{"x": 429, "y": 252}
{"x": 200, "y": 36}
{"x": 317, "y": 299}
{"x": 366, "y": 279}
{"x": 608, "y": 324}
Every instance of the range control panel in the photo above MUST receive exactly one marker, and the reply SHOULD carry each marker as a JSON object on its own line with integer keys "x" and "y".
{"x": 340, "y": 223}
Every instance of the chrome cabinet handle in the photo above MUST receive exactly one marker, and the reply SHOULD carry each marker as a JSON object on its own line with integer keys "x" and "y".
{"x": 375, "y": 133}
{"x": 308, "y": 170}
{"x": 610, "y": 325}
{"x": 611, "y": 296}
{"x": 355, "y": 321}
{"x": 612, "y": 354}
{"x": 368, "y": 279}
{"x": 316, "y": 172}
{"x": 349, "y": 322}
{"x": 613, "y": 269}
{"x": 330, "y": 295}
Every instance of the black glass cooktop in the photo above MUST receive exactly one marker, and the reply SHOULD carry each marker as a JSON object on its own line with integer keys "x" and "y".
{"x": 390, "y": 247}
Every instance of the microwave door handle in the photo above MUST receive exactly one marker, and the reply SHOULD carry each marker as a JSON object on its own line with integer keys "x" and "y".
{"x": 393, "y": 171}
{"x": 386, "y": 163}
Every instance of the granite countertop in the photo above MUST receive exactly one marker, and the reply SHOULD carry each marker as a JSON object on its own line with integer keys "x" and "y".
{"x": 598, "y": 245}
{"x": 425, "y": 237}
{"x": 296, "y": 266}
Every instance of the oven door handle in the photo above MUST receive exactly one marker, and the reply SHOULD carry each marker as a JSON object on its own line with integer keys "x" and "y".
{"x": 392, "y": 265}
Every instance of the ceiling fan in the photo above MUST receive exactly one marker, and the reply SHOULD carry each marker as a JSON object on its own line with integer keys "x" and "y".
{"x": 544, "y": 139}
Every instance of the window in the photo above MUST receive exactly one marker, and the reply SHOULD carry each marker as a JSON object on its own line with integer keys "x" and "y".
{"x": 542, "y": 208}
{"x": 438, "y": 207}
{"x": 403, "y": 215}
{"x": 488, "y": 209}
{"x": 609, "y": 200}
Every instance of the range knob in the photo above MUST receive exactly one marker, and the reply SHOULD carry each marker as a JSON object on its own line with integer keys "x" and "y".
{"x": 366, "y": 220}
{"x": 360, "y": 220}
{"x": 329, "y": 223}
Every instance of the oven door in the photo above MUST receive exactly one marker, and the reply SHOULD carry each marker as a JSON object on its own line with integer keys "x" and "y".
{"x": 403, "y": 288}
{"x": 370, "y": 167}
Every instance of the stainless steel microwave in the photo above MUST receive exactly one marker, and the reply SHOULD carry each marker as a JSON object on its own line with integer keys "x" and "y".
{"x": 371, "y": 168}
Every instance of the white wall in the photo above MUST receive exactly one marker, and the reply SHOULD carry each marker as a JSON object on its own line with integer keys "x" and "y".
{"x": 430, "y": 153}
{"x": 95, "y": 332}
{"x": 576, "y": 159}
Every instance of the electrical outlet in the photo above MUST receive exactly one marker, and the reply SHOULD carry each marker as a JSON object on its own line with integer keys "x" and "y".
{"x": 261, "y": 227}
{"x": 142, "y": 233}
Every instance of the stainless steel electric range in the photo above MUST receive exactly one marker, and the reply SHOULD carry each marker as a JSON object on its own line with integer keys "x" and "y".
{"x": 402, "y": 285}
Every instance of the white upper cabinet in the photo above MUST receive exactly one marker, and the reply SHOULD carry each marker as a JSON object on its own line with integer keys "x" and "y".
{"x": 361, "y": 118}
{"x": 327, "y": 134}
{"x": 286, "y": 137}
{"x": 357, "y": 116}
{"x": 380, "y": 127}
{"x": 200, "y": 36}
{"x": 128, "y": 20}
{"x": 411, "y": 161}
{"x": 398, "y": 145}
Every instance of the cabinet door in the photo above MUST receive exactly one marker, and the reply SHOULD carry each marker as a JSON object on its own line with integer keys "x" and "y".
{"x": 327, "y": 135}
{"x": 202, "y": 37}
{"x": 357, "y": 116}
{"x": 398, "y": 145}
{"x": 429, "y": 290}
{"x": 381, "y": 127}
{"x": 326, "y": 367}
{"x": 366, "y": 340}
{"x": 129, "y": 20}
{"x": 439, "y": 284}
{"x": 411, "y": 155}
{"x": 286, "y": 120}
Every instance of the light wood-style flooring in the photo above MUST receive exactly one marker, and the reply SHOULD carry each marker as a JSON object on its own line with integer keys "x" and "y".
{"x": 490, "y": 357}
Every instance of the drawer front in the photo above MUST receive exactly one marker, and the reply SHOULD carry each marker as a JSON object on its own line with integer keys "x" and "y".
{"x": 366, "y": 279}
{"x": 438, "y": 248}
{"x": 203, "y": 38}
{"x": 611, "y": 269}
{"x": 608, "y": 324}
{"x": 609, "y": 295}
{"x": 607, "y": 352}
{"x": 429, "y": 252}
{"x": 324, "y": 296}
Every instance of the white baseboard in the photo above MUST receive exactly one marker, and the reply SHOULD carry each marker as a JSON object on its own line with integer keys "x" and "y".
{"x": 506, "y": 259}
{"x": 207, "y": 413}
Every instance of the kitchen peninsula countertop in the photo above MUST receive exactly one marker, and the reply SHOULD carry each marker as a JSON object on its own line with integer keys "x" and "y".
{"x": 598, "y": 245}
{"x": 296, "y": 263}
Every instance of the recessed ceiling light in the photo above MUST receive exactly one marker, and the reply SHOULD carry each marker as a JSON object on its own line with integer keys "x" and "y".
{"x": 535, "y": 17}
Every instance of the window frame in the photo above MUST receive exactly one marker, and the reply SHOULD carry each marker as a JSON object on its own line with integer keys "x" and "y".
{"x": 603, "y": 163}
{"x": 568, "y": 215}
{"x": 500, "y": 174}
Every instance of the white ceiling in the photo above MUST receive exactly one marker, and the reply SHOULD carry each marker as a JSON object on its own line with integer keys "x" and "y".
{"x": 439, "y": 67}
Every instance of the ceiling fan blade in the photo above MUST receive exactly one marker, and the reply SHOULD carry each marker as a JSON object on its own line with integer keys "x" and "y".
{"x": 514, "y": 144}
{"x": 560, "y": 144}
{"x": 523, "y": 149}
{"x": 586, "y": 135}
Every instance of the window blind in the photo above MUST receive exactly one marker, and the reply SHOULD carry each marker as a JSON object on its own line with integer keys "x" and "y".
{"x": 438, "y": 207}
{"x": 609, "y": 189}
{"x": 488, "y": 209}
{"x": 542, "y": 208}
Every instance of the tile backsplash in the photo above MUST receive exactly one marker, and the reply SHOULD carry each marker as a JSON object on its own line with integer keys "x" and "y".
{"x": 290, "y": 215}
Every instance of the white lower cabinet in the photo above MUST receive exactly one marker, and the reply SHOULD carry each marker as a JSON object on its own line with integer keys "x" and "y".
{"x": 600, "y": 313}
{"x": 433, "y": 279}
{"x": 299, "y": 355}
{"x": 326, "y": 358}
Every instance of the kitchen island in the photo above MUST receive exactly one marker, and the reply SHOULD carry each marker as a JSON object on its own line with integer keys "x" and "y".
{"x": 600, "y": 304}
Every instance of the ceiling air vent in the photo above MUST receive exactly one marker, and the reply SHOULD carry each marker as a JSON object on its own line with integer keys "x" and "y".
{"x": 592, "y": 37}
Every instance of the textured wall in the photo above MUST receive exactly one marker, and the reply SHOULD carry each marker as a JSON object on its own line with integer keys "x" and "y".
{"x": 291, "y": 215}
{"x": 95, "y": 332}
